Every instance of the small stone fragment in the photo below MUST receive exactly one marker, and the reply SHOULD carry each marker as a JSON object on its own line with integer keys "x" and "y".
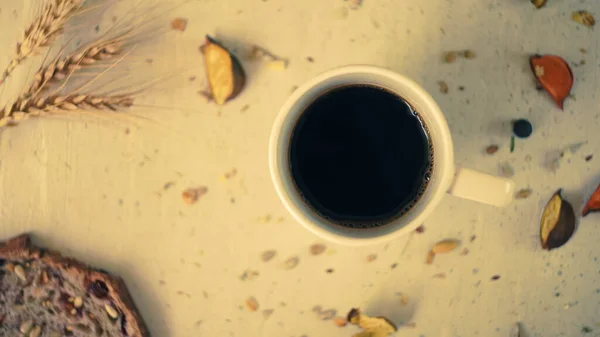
{"x": 267, "y": 255}
{"x": 179, "y": 24}
{"x": 443, "y": 87}
{"x": 317, "y": 249}
{"x": 191, "y": 195}
{"x": 252, "y": 304}
{"x": 450, "y": 57}
{"x": 291, "y": 263}
{"x": 523, "y": 194}
{"x": 491, "y": 149}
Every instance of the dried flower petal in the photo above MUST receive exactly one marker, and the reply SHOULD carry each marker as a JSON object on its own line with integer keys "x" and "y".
{"x": 557, "y": 223}
{"x": 593, "y": 203}
{"x": 584, "y": 18}
{"x": 538, "y": 3}
{"x": 555, "y": 76}
{"x": 523, "y": 194}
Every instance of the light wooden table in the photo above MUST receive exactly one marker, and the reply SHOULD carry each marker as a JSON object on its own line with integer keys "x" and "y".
{"x": 94, "y": 187}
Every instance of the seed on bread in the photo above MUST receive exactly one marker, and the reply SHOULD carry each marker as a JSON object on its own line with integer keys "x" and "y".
{"x": 26, "y": 327}
{"x": 78, "y": 302}
{"x": 36, "y": 331}
{"x": 20, "y": 271}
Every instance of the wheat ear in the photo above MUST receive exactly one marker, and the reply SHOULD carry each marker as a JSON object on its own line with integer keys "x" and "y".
{"x": 61, "y": 68}
{"x": 24, "y": 108}
{"x": 43, "y": 31}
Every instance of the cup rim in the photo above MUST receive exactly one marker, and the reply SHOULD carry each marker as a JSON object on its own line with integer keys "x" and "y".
{"x": 445, "y": 173}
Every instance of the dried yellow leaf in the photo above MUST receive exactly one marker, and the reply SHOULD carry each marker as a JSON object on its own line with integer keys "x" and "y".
{"x": 584, "y": 18}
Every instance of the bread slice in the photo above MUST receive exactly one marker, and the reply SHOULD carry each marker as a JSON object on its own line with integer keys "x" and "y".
{"x": 43, "y": 294}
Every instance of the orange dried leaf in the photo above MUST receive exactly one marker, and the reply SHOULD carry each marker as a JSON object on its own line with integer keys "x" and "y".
{"x": 593, "y": 203}
{"x": 554, "y": 75}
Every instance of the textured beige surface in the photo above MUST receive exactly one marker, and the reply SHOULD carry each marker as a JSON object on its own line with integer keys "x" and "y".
{"x": 87, "y": 187}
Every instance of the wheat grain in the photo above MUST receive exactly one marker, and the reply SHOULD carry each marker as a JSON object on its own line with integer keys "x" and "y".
{"x": 61, "y": 68}
{"x": 28, "y": 107}
{"x": 43, "y": 31}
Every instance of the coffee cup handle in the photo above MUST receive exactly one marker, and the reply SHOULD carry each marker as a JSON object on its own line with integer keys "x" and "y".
{"x": 481, "y": 187}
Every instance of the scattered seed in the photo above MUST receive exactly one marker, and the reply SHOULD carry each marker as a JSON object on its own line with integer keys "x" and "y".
{"x": 465, "y": 251}
{"x": 310, "y": 59}
{"x": 291, "y": 263}
{"x": 26, "y": 327}
{"x": 394, "y": 265}
{"x": 230, "y": 174}
{"x": 192, "y": 78}
{"x": 430, "y": 257}
{"x": 112, "y": 312}
{"x": 267, "y": 255}
{"x": 473, "y": 237}
{"x": 245, "y": 108}
{"x": 317, "y": 249}
{"x": 340, "y": 321}
{"x": 512, "y": 144}
{"x": 191, "y": 195}
{"x": 249, "y": 275}
{"x": 443, "y": 87}
{"x": 450, "y": 57}
{"x": 491, "y": 149}
{"x": 327, "y": 314}
{"x": 252, "y": 303}
{"x": 267, "y": 313}
{"x": 371, "y": 257}
{"x": 469, "y": 54}
{"x": 277, "y": 64}
{"x": 506, "y": 170}
{"x": 179, "y": 24}
{"x": 78, "y": 302}
{"x": 329, "y": 270}
{"x": 495, "y": 277}
{"x": 523, "y": 194}
{"x": 589, "y": 157}
{"x": 584, "y": 18}
{"x": 420, "y": 229}
{"x": 36, "y": 331}
{"x": 461, "y": 88}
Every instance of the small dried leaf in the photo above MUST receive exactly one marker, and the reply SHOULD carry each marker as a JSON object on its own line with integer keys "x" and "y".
{"x": 317, "y": 249}
{"x": 179, "y": 24}
{"x": 491, "y": 149}
{"x": 443, "y": 87}
{"x": 291, "y": 263}
{"x": 584, "y": 18}
{"x": 267, "y": 255}
{"x": 252, "y": 303}
{"x": 450, "y": 57}
{"x": 539, "y": 3}
{"x": 557, "y": 223}
{"x": 593, "y": 203}
{"x": 445, "y": 246}
{"x": 523, "y": 194}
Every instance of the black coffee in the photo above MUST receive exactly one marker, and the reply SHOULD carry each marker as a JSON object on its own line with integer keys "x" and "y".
{"x": 360, "y": 156}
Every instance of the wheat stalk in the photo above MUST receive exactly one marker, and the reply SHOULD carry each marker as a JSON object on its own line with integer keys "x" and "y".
{"x": 32, "y": 107}
{"x": 43, "y": 31}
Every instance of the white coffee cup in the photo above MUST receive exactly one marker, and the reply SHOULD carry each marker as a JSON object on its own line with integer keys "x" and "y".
{"x": 445, "y": 178}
